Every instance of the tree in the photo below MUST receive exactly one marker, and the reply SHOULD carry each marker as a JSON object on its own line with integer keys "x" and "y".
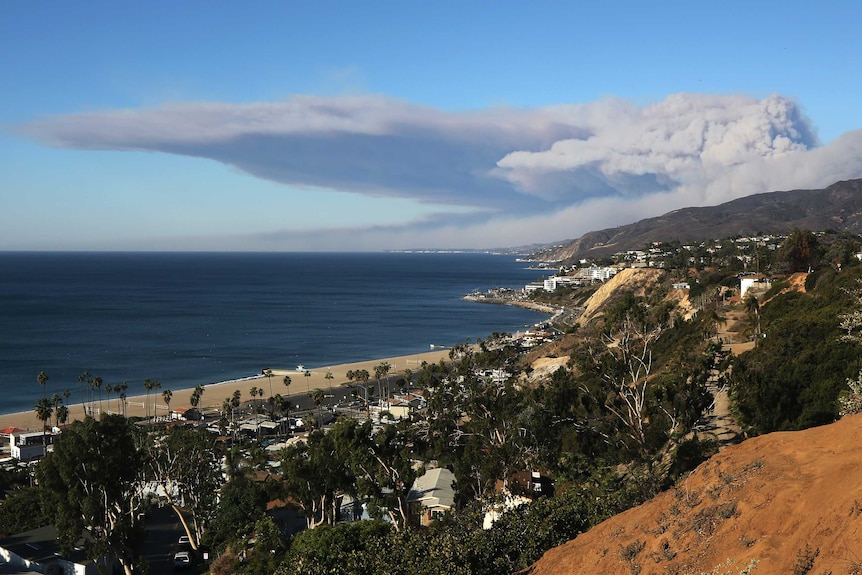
{"x": 382, "y": 465}
{"x": 96, "y": 383}
{"x": 307, "y": 375}
{"x": 42, "y": 378}
{"x": 149, "y": 385}
{"x": 286, "y": 382}
{"x": 317, "y": 397}
{"x": 241, "y": 504}
{"x": 43, "y": 412}
{"x": 92, "y": 482}
{"x": 195, "y": 398}
{"x": 381, "y": 370}
{"x": 329, "y": 377}
{"x": 752, "y": 307}
{"x": 801, "y": 251}
{"x": 253, "y": 393}
{"x": 314, "y": 472}
{"x": 268, "y": 374}
{"x": 83, "y": 379}
{"x": 362, "y": 376}
{"x": 167, "y": 395}
{"x": 186, "y": 465}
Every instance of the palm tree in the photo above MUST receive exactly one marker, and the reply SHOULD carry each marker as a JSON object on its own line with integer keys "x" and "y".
{"x": 123, "y": 387}
{"x": 108, "y": 389}
{"x": 195, "y": 399}
{"x": 82, "y": 379}
{"x": 42, "y": 378}
{"x": 752, "y": 306}
{"x": 317, "y": 397}
{"x": 43, "y": 412}
{"x": 253, "y": 393}
{"x": 329, "y": 377}
{"x": 307, "y": 375}
{"x": 268, "y": 374}
{"x": 62, "y": 414}
{"x": 149, "y": 385}
{"x": 97, "y": 384}
{"x": 167, "y": 395}
{"x": 56, "y": 402}
{"x": 362, "y": 376}
{"x": 287, "y": 403}
{"x": 235, "y": 402}
{"x": 381, "y": 370}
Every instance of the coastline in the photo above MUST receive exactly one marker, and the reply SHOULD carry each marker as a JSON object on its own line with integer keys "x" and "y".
{"x": 215, "y": 393}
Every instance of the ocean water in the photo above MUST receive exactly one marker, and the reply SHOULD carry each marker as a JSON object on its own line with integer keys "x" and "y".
{"x": 197, "y": 318}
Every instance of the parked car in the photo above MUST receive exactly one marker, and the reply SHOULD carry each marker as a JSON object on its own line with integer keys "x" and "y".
{"x": 183, "y": 559}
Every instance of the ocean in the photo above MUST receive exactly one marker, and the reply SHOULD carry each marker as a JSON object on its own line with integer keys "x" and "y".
{"x": 199, "y": 318}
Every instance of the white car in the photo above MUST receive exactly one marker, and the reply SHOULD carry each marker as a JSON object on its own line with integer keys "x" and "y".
{"x": 183, "y": 559}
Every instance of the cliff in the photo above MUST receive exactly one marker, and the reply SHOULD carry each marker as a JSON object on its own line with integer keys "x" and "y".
{"x": 785, "y": 503}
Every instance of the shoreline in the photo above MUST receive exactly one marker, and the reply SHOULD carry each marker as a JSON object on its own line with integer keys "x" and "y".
{"x": 215, "y": 393}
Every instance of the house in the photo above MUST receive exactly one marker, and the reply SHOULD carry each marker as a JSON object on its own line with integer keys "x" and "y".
{"x": 433, "y": 494}
{"x": 754, "y": 282}
{"x": 523, "y": 488}
{"x": 29, "y": 445}
{"x": 37, "y": 550}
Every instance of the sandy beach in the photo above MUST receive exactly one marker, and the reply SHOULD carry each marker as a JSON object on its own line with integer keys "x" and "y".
{"x": 214, "y": 394}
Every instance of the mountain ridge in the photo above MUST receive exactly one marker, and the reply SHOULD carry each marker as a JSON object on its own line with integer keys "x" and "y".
{"x": 837, "y": 207}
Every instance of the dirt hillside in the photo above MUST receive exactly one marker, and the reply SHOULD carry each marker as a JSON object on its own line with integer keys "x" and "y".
{"x": 636, "y": 280}
{"x": 785, "y": 503}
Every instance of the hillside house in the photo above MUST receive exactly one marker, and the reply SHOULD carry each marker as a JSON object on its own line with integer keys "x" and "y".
{"x": 433, "y": 494}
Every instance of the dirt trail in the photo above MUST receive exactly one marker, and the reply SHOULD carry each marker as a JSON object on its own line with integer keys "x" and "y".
{"x": 720, "y": 423}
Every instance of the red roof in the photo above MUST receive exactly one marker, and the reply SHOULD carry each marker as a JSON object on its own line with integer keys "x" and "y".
{"x": 8, "y": 430}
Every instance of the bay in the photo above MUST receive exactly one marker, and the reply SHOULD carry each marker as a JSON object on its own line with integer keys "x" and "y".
{"x": 196, "y": 318}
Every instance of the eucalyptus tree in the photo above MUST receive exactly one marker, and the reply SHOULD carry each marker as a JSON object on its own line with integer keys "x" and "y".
{"x": 382, "y": 464}
{"x": 186, "y": 465}
{"x": 93, "y": 482}
{"x": 314, "y": 472}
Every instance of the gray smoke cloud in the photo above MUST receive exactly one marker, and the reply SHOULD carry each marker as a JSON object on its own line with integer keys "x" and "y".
{"x": 534, "y": 174}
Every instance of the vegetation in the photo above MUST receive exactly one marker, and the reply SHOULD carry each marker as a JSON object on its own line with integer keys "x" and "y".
{"x": 613, "y": 425}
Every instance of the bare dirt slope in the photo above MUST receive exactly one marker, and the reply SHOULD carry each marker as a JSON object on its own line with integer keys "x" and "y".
{"x": 790, "y": 502}
{"x": 636, "y": 280}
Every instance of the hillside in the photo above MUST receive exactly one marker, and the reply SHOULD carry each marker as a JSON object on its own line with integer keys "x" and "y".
{"x": 837, "y": 207}
{"x": 790, "y": 501}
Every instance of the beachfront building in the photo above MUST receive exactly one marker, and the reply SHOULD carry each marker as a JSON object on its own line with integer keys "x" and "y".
{"x": 581, "y": 277}
{"x": 29, "y": 445}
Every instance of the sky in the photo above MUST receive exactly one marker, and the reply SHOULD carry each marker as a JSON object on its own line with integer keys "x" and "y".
{"x": 364, "y": 126}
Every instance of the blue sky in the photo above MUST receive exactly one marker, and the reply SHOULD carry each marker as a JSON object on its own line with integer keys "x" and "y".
{"x": 395, "y": 125}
